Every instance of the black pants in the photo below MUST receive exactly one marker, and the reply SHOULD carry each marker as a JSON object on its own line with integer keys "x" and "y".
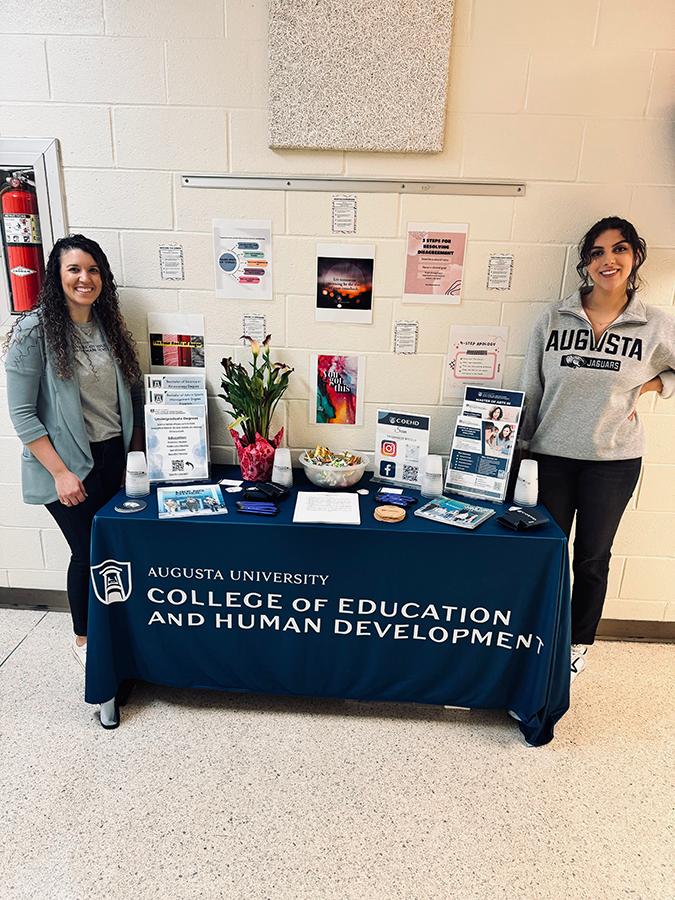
{"x": 598, "y": 491}
{"x": 101, "y": 485}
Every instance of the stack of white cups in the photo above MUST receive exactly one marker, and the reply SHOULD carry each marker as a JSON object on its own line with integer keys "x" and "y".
{"x": 282, "y": 473}
{"x": 432, "y": 480}
{"x": 137, "y": 482}
{"x": 527, "y": 485}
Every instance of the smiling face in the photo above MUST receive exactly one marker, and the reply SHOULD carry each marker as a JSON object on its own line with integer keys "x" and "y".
{"x": 81, "y": 283}
{"x": 611, "y": 261}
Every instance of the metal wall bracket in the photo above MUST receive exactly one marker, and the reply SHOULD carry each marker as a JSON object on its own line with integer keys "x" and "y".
{"x": 341, "y": 184}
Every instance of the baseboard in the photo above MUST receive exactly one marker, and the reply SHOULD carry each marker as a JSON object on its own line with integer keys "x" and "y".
{"x": 632, "y": 630}
{"x": 608, "y": 630}
{"x": 33, "y": 598}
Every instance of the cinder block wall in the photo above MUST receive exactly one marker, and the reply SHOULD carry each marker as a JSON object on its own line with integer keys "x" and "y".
{"x": 575, "y": 98}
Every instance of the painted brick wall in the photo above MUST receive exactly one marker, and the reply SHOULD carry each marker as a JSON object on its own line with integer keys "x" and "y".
{"x": 575, "y": 98}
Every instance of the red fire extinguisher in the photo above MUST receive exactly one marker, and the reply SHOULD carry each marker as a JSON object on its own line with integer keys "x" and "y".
{"x": 23, "y": 241}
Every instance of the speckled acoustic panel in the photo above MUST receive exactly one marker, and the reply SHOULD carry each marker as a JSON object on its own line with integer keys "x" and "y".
{"x": 359, "y": 74}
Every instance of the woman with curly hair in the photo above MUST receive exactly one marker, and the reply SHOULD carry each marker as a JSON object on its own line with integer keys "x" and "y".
{"x": 75, "y": 399}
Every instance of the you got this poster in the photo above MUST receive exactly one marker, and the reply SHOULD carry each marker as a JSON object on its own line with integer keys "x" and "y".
{"x": 336, "y": 389}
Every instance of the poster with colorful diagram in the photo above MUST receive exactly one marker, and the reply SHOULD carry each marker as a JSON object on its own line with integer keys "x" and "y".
{"x": 242, "y": 256}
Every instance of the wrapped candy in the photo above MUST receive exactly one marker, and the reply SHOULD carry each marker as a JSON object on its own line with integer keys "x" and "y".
{"x": 322, "y": 456}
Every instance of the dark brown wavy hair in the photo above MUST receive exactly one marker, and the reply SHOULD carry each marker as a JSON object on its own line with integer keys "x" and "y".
{"x": 630, "y": 236}
{"x": 57, "y": 324}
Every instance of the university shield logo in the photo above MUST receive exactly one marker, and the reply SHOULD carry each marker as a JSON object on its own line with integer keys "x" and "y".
{"x": 112, "y": 581}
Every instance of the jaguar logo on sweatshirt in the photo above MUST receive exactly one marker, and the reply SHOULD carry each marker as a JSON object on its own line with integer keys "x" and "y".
{"x": 589, "y": 362}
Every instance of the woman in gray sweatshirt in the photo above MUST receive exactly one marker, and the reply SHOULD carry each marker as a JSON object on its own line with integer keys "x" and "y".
{"x": 588, "y": 360}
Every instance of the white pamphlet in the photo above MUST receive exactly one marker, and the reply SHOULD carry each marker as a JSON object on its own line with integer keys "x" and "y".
{"x": 176, "y": 440}
{"x": 405, "y": 337}
{"x": 171, "y": 262}
{"x": 500, "y": 272}
{"x": 326, "y": 508}
{"x": 344, "y": 214}
{"x": 254, "y": 325}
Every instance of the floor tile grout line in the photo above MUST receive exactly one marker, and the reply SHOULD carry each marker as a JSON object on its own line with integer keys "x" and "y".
{"x": 23, "y": 639}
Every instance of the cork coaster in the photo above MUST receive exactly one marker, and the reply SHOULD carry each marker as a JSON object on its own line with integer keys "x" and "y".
{"x": 389, "y": 514}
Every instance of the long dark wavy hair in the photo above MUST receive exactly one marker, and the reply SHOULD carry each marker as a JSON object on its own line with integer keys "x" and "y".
{"x": 630, "y": 236}
{"x": 57, "y": 324}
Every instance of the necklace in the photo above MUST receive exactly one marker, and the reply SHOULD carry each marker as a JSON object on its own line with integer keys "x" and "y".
{"x": 595, "y": 321}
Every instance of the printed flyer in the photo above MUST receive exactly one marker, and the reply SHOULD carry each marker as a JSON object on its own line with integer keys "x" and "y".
{"x": 336, "y": 389}
{"x": 176, "y": 398}
{"x": 180, "y": 381}
{"x": 192, "y": 500}
{"x": 401, "y": 447}
{"x": 452, "y": 512}
{"x": 344, "y": 283}
{"x": 483, "y": 444}
{"x": 176, "y": 342}
{"x": 475, "y": 356}
{"x": 434, "y": 262}
{"x": 242, "y": 255}
{"x": 176, "y": 440}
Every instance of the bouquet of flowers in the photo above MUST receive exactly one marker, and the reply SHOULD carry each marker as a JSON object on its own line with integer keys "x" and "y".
{"x": 253, "y": 397}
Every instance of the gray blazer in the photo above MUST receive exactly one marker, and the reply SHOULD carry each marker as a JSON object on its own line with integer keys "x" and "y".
{"x": 41, "y": 404}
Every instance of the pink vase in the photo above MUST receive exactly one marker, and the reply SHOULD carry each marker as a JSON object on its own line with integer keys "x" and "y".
{"x": 257, "y": 459}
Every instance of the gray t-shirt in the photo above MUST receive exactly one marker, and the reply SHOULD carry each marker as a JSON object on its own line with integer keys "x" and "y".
{"x": 98, "y": 383}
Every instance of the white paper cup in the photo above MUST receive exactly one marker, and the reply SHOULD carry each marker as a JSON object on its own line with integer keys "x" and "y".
{"x": 137, "y": 483}
{"x": 432, "y": 479}
{"x": 282, "y": 471}
{"x": 527, "y": 485}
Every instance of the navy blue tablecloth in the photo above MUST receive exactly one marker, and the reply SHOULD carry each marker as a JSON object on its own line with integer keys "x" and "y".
{"x": 416, "y": 611}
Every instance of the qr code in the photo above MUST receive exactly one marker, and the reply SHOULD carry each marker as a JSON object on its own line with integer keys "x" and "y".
{"x": 412, "y": 453}
{"x": 177, "y": 465}
{"x": 410, "y": 473}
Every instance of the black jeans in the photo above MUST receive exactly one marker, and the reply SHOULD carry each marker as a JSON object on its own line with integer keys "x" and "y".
{"x": 598, "y": 491}
{"x": 101, "y": 485}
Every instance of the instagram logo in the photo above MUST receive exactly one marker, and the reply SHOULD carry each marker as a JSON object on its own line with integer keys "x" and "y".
{"x": 388, "y": 448}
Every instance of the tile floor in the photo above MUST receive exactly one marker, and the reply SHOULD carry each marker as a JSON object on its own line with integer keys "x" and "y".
{"x": 207, "y": 795}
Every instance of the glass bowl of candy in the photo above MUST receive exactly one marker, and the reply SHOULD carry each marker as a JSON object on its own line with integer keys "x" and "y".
{"x": 329, "y": 470}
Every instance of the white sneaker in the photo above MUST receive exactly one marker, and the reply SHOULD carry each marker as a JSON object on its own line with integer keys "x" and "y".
{"x": 578, "y": 660}
{"x": 80, "y": 654}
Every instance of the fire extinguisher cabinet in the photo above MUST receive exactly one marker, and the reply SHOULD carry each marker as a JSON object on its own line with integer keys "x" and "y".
{"x": 32, "y": 218}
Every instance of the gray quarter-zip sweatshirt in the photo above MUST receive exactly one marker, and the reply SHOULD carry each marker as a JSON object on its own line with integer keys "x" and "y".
{"x": 579, "y": 392}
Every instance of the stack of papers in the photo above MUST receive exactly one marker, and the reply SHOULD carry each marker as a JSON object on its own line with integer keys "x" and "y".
{"x": 322, "y": 507}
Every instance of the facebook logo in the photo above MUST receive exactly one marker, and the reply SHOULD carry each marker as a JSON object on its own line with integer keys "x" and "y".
{"x": 388, "y": 469}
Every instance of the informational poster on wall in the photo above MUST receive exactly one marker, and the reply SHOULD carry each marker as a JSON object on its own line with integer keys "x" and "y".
{"x": 500, "y": 272}
{"x": 483, "y": 444}
{"x": 344, "y": 214}
{"x": 176, "y": 440}
{"x": 254, "y": 326}
{"x": 434, "y": 263}
{"x": 475, "y": 356}
{"x": 406, "y": 334}
{"x": 171, "y": 264}
{"x": 344, "y": 283}
{"x": 242, "y": 256}
{"x": 401, "y": 447}
{"x": 176, "y": 342}
{"x": 336, "y": 389}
